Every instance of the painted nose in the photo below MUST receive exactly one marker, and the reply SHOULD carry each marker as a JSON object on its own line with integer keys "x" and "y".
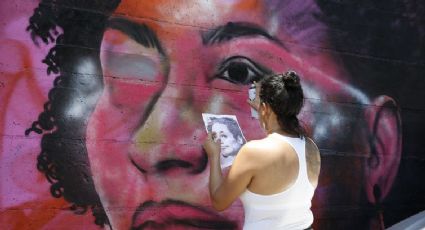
{"x": 168, "y": 141}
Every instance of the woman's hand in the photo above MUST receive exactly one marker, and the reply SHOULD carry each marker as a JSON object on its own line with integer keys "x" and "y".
{"x": 212, "y": 147}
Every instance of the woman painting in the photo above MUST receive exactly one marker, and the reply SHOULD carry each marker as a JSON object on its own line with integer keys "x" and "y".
{"x": 275, "y": 177}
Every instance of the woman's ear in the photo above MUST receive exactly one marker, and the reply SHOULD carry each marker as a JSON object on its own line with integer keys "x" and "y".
{"x": 263, "y": 115}
{"x": 384, "y": 124}
{"x": 262, "y": 109}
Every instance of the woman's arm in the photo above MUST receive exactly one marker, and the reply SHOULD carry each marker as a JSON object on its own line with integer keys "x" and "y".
{"x": 225, "y": 190}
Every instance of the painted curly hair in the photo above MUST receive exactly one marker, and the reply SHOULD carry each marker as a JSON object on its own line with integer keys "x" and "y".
{"x": 63, "y": 157}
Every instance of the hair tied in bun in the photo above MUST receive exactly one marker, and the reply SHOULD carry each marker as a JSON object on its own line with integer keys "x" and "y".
{"x": 291, "y": 79}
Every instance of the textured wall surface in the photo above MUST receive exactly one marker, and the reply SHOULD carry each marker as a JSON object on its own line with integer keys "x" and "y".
{"x": 101, "y": 102}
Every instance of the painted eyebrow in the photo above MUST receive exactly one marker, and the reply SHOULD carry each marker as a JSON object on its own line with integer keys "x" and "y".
{"x": 233, "y": 30}
{"x": 141, "y": 33}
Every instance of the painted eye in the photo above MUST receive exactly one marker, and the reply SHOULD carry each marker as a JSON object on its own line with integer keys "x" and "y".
{"x": 240, "y": 70}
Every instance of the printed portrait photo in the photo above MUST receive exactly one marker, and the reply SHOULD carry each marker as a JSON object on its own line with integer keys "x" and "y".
{"x": 226, "y": 130}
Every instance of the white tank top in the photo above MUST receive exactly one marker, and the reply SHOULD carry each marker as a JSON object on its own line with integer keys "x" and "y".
{"x": 289, "y": 209}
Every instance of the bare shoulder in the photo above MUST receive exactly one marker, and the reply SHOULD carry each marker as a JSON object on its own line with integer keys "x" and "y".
{"x": 313, "y": 160}
{"x": 311, "y": 146}
{"x": 312, "y": 150}
{"x": 258, "y": 147}
{"x": 251, "y": 152}
{"x": 251, "y": 148}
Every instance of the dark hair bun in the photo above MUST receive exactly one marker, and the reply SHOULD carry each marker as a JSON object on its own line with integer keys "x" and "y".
{"x": 291, "y": 79}
{"x": 284, "y": 94}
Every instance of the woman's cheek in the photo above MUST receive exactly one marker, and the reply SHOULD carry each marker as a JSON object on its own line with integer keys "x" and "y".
{"x": 235, "y": 103}
{"x": 108, "y": 141}
{"x": 225, "y": 101}
{"x": 132, "y": 94}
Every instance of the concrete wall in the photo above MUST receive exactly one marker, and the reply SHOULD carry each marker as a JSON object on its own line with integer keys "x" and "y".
{"x": 101, "y": 103}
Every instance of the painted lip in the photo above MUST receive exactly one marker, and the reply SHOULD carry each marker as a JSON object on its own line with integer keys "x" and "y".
{"x": 173, "y": 214}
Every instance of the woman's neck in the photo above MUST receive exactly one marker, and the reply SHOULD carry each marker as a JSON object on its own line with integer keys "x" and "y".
{"x": 275, "y": 130}
{"x": 279, "y": 130}
{"x": 272, "y": 125}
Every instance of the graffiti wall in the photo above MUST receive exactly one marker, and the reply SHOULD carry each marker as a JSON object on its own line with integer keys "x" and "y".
{"x": 101, "y": 103}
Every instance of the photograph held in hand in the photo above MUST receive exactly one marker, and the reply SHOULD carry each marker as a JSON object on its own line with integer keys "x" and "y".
{"x": 226, "y": 129}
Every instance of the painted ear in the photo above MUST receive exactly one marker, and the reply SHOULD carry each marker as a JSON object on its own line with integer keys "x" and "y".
{"x": 384, "y": 124}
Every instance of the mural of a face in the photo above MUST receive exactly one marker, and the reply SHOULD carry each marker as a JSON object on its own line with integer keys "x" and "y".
{"x": 122, "y": 128}
{"x": 161, "y": 73}
{"x": 229, "y": 144}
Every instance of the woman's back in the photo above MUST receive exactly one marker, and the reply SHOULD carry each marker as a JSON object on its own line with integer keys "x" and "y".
{"x": 279, "y": 195}
{"x": 275, "y": 177}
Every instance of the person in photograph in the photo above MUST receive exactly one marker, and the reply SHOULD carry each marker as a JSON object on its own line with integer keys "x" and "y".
{"x": 230, "y": 136}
